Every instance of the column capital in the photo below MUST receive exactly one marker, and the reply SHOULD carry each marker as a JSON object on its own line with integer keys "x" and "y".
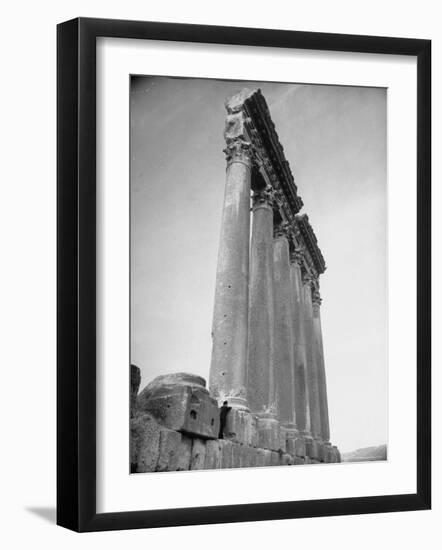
{"x": 282, "y": 230}
{"x": 239, "y": 150}
{"x": 297, "y": 255}
{"x": 263, "y": 197}
{"x": 316, "y": 297}
{"x": 307, "y": 278}
{"x": 239, "y": 147}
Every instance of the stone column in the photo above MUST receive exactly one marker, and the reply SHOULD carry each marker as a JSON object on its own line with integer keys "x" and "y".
{"x": 284, "y": 344}
{"x": 312, "y": 373}
{"x": 322, "y": 383}
{"x": 260, "y": 370}
{"x": 228, "y": 369}
{"x": 261, "y": 389}
{"x": 302, "y": 402}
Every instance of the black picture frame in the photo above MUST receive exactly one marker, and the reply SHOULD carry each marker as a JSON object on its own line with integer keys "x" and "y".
{"x": 76, "y": 273}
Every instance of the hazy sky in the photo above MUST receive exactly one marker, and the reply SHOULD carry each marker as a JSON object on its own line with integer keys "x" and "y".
{"x": 335, "y": 141}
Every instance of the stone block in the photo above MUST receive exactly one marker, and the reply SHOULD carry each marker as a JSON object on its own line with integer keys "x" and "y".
{"x": 283, "y": 440}
{"x": 135, "y": 379}
{"x": 327, "y": 452}
{"x": 269, "y": 433}
{"x": 198, "y": 454}
{"x": 322, "y": 453}
{"x": 255, "y": 433}
{"x": 170, "y": 446}
{"x": 275, "y": 458}
{"x": 286, "y": 459}
{"x": 264, "y": 457}
{"x": 226, "y": 450}
{"x": 247, "y": 456}
{"x": 240, "y": 427}
{"x": 213, "y": 455}
{"x": 145, "y": 443}
{"x": 297, "y": 460}
{"x": 300, "y": 449}
{"x": 311, "y": 446}
{"x": 236, "y": 455}
{"x": 184, "y": 453}
{"x": 181, "y": 402}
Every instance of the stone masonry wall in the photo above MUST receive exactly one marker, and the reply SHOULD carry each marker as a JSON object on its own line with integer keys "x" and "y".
{"x": 175, "y": 426}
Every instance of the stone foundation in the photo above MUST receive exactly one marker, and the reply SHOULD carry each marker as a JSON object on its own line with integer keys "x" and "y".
{"x": 166, "y": 436}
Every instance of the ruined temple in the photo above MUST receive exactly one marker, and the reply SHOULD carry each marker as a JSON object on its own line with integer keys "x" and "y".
{"x": 267, "y": 356}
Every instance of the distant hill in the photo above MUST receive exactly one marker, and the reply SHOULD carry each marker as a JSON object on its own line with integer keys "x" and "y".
{"x": 366, "y": 455}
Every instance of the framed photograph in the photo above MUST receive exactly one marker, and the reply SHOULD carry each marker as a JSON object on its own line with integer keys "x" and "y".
{"x": 243, "y": 274}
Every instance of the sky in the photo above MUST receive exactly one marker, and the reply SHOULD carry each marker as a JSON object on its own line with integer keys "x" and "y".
{"x": 334, "y": 138}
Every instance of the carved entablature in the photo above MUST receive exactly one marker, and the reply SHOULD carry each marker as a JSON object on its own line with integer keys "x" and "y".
{"x": 251, "y": 138}
{"x": 248, "y": 120}
{"x": 311, "y": 243}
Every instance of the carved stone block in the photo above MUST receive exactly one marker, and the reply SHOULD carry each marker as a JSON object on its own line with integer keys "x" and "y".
{"x": 181, "y": 402}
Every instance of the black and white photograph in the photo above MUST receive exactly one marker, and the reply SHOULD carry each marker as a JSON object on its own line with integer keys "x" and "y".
{"x": 258, "y": 274}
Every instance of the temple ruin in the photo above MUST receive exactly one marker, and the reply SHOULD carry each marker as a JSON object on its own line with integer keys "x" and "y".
{"x": 267, "y": 356}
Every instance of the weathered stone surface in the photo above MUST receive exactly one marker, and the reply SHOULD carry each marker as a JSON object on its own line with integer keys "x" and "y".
{"x": 198, "y": 455}
{"x": 213, "y": 455}
{"x": 226, "y": 450}
{"x": 255, "y": 433}
{"x": 260, "y": 381}
{"x": 336, "y": 454}
{"x": 240, "y": 427}
{"x": 135, "y": 379}
{"x": 322, "y": 454}
{"x": 284, "y": 328}
{"x": 230, "y": 316}
{"x": 269, "y": 435}
{"x": 236, "y": 455}
{"x": 286, "y": 459}
{"x": 264, "y": 457}
{"x": 145, "y": 443}
{"x": 170, "y": 445}
{"x": 184, "y": 453}
{"x": 181, "y": 402}
{"x": 311, "y": 446}
{"x": 275, "y": 458}
{"x": 247, "y": 456}
{"x": 282, "y": 441}
{"x": 299, "y": 447}
{"x": 297, "y": 460}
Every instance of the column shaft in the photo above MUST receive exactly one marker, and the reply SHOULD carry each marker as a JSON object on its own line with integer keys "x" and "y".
{"x": 284, "y": 345}
{"x": 228, "y": 370}
{"x": 322, "y": 383}
{"x": 312, "y": 373}
{"x": 302, "y": 402}
{"x": 260, "y": 373}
